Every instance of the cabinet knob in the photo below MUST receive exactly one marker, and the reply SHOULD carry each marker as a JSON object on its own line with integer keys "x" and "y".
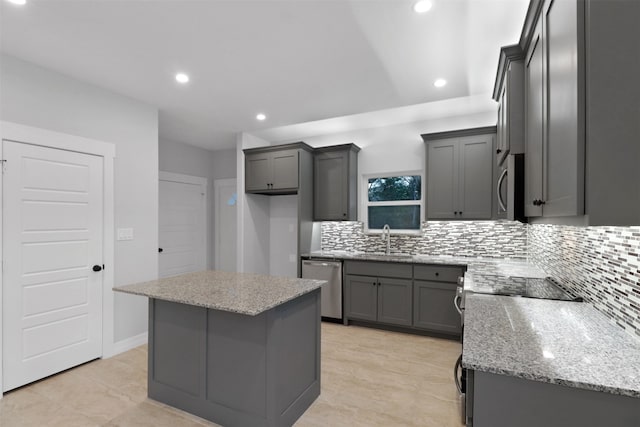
{"x": 498, "y": 151}
{"x": 160, "y": 250}
{"x": 344, "y": 214}
{"x": 97, "y": 268}
{"x": 538, "y": 202}
{"x": 437, "y": 274}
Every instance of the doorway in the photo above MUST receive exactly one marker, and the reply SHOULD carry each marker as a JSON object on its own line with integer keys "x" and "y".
{"x": 55, "y": 199}
{"x": 182, "y": 221}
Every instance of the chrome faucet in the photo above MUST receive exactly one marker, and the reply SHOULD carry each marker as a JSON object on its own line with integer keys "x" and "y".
{"x": 386, "y": 235}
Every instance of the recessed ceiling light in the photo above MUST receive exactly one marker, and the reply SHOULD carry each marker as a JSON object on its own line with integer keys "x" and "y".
{"x": 261, "y": 117}
{"x": 423, "y": 6}
{"x": 440, "y": 83}
{"x": 18, "y": 2}
{"x": 182, "y": 78}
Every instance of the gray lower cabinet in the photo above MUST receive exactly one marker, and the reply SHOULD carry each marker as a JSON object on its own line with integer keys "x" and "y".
{"x": 460, "y": 174}
{"x": 384, "y": 300}
{"x": 335, "y": 182}
{"x": 507, "y": 401}
{"x": 433, "y": 307}
{"x": 434, "y": 289}
{"x": 415, "y": 297}
{"x": 394, "y": 301}
{"x": 361, "y": 297}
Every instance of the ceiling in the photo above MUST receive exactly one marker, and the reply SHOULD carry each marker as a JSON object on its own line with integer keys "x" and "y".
{"x": 297, "y": 61}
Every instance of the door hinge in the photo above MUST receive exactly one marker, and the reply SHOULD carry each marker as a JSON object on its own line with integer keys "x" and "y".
{"x": 4, "y": 165}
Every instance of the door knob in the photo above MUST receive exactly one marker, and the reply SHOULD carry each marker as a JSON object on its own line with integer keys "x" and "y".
{"x": 97, "y": 268}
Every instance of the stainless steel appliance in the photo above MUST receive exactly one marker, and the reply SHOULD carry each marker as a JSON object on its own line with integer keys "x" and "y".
{"x": 331, "y": 292}
{"x": 510, "y": 189}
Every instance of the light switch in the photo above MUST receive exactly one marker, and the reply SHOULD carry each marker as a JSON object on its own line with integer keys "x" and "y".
{"x": 124, "y": 234}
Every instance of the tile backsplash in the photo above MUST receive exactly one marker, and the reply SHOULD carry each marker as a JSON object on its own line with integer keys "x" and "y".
{"x": 600, "y": 264}
{"x": 503, "y": 239}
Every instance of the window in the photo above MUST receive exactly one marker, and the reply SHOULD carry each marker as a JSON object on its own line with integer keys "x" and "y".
{"x": 395, "y": 200}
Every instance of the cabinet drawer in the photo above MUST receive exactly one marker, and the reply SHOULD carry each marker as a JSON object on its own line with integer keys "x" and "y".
{"x": 379, "y": 269}
{"x": 438, "y": 273}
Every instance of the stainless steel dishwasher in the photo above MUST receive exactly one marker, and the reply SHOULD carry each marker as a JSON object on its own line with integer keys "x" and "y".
{"x": 331, "y": 293}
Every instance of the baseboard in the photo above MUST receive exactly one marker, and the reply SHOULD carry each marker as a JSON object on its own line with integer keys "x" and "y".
{"x": 127, "y": 344}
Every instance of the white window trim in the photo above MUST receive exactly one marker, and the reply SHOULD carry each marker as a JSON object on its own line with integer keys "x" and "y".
{"x": 364, "y": 201}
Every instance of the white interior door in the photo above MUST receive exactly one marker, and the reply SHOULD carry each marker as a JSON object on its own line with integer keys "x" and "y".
{"x": 52, "y": 239}
{"x": 183, "y": 231}
{"x": 225, "y": 219}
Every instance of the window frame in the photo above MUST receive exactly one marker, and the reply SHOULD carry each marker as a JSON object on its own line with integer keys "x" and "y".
{"x": 365, "y": 203}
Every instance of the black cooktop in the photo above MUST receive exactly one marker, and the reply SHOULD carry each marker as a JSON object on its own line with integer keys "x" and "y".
{"x": 545, "y": 288}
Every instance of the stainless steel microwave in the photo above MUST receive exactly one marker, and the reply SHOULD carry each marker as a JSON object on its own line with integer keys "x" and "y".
{"x": 510, "y": 189}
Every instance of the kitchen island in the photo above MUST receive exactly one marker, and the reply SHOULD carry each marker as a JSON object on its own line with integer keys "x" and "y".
{"x": 235, "y": 348}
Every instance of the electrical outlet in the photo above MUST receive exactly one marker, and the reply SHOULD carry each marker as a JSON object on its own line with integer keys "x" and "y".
{"x": 124, "y": 234}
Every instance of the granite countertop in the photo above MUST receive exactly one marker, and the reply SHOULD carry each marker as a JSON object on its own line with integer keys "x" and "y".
{"x": 557, "y": 342}
{"x": 477, "y": 263}
{"x": 242, "y": 293}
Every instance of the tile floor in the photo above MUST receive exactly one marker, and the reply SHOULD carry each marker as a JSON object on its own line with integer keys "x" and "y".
{"x": 369, "y": 378}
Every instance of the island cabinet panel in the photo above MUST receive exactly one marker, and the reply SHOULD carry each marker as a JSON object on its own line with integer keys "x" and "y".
{"x": 179, "y": 346}
{"x": 507, "y": 401}
{"x": 236, "y": 369}
{"x": 229, "y": 335}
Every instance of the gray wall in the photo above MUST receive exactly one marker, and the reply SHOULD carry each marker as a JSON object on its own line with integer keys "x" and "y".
{"x": 195, "y": 161}
{"x": 39, "y": 97}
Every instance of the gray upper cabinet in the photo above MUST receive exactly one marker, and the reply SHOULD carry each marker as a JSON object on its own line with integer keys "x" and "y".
{"x": 274, "y": 169}
{"x": 581, "y": 111}
{"x": 509, "y": 93}
{"x": 335, "y": 195}
{"x": 534, "y": 90}
{"x": 460, "y": 174}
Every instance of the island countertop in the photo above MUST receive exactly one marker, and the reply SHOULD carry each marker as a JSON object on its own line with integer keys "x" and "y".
{"x": 242, "y": 293}
{"x": 556, "y": 342}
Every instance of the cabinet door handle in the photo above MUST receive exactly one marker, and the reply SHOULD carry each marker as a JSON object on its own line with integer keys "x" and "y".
{"x": 503, "y": 175}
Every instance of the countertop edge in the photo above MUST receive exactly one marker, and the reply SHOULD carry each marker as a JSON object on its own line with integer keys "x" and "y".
{"x": 551, "y": 380}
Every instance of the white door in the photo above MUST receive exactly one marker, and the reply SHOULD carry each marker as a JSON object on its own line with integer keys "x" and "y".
{"x": 225, "y": 219}
{"x": 52, "y": 239}
{"x": 183, "y": 231}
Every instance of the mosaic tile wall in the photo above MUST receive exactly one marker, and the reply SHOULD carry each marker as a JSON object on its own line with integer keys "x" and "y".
{"x": 600, "y": 264}
{"x": 503, "y": 239}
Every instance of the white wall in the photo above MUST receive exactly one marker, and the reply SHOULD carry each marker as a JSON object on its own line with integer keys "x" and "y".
{"x": 283, "y": 230}
{"x": 398, "y": 147}
{"x": 38, "y": 97}
{"x": 195, "y": 161}
{"x": 253, "y": 217}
